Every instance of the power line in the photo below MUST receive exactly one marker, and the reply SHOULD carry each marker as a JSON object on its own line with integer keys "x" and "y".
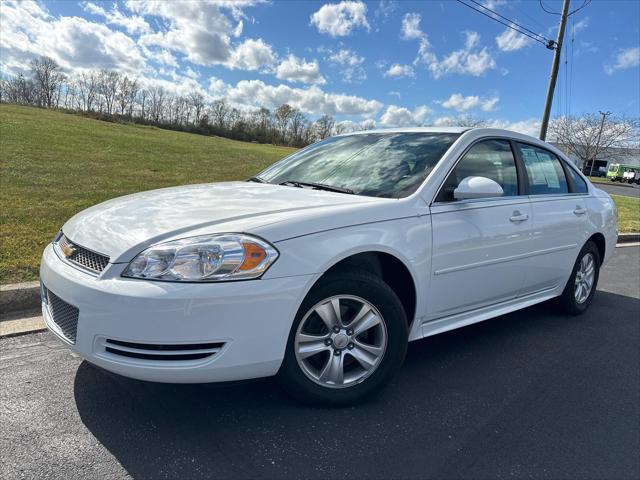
{"x": 550, "y": 44}
{"x": 585, "y": 3}
{"x": 508, "y": 20}
{"x": 548, "y": 11}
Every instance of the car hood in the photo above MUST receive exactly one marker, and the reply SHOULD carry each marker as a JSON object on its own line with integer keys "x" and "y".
{"x": 122, "y": 227}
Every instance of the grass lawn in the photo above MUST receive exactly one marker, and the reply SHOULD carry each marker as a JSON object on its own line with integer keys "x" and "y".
{"x": 628, "y": 213}
{"x": 599, "y": 179}
{"x": 53, "y": 165}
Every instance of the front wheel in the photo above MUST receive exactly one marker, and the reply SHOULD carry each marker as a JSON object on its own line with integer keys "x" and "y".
{"x": 581, "y": 287}
{"x": 348, "y": 339}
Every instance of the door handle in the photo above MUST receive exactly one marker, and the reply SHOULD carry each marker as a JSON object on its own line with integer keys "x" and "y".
{"x": 579, "y": 210}
{"x": 518, "y": 217}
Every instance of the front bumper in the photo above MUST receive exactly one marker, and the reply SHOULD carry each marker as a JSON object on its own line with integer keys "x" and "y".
{"x": 243, "y": 325}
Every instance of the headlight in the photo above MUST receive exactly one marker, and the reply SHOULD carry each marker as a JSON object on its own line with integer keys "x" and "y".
{"x": 207, "y": 258}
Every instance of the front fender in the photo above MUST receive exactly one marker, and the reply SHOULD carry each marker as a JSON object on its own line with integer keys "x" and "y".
{"x": 407, "y": 239}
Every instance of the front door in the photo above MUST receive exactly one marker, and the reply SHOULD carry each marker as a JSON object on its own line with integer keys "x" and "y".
{"x": 480, "y": 246}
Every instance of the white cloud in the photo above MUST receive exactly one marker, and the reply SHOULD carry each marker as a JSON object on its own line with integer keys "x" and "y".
{"x": 295, "y": 69}
{"x": 493, "y": 4}
{"x": 75, "y": 43}
{"x": 349, "y": 62}
{"x": 396, "y": 116}
{"x": 581, "y": 25}
{"x": 252, "y": 54}
{"x": 466, "y": 61}
{"x": 164, "y": 57}
{"x": 339, "y": 19}
{"x": 528, "y": 127}
{"x": 133, "y": 24}
{"x": 510, "y": 40}
{"x": 385, "y": 9}
{"x": 398, "y": 71}
{"x": 411, "y": 26}
{"x": 202, "y": 32}
{"x": 461, "y": 103}
{"x": 312, "y": 100}
{"x": 626, "y": 58}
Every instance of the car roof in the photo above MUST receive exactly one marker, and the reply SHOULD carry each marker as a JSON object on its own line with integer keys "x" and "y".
{"x": 410, "y": 130}
{"x": 477, "y": 132}
{"x": 473, "y": 133}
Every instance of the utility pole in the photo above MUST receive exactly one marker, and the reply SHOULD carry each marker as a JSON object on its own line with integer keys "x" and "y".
{"x": 554, "y": 70}
{"x": 593, "y": 159}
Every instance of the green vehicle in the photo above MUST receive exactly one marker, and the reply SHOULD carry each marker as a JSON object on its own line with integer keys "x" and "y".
{"x": 616, "y": 171}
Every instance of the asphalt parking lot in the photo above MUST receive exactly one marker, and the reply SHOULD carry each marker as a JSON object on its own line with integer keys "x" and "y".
{"x": 625, "y": 190}
{"x": 533, "y": 394}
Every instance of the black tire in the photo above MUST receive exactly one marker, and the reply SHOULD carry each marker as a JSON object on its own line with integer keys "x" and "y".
{"x": 371, "y": 288}
{"x": 568, "y": 300}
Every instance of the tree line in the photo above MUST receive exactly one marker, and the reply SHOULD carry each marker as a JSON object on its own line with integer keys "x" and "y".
{"x": 113, "y": 96}
{"x": 110, "y": 95}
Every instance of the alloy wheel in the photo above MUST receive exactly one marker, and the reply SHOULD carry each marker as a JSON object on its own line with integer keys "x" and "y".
{"x": 340, "y": 341}
{"x": 585, "y": 276}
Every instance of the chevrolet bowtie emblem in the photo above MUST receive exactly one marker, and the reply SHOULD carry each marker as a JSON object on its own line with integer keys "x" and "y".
{"x": 68, "y": 250}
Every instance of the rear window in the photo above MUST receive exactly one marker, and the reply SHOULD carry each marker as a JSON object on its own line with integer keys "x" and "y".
{"x": 579, "y": 185}
{"x": 546, "y": 175}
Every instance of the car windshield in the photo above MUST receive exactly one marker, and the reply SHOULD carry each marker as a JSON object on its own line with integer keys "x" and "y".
{"x": 389, "y": 165}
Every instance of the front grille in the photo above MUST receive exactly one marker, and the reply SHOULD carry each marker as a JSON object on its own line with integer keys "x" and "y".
{"x": 169, "y": 352}
{"x": 64, "y": 315}
{"x": 79, "y": 255}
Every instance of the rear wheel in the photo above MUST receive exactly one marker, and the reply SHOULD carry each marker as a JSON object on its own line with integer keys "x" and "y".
{"x": 581, "y": 287}
{"x": 348, "y": 339}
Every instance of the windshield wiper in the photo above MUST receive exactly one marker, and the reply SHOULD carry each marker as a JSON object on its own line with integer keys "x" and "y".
{"x": 318, "y": 186}
{"x": 257, "y": 180}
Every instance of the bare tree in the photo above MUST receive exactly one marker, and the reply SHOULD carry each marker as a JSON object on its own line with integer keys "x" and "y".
{"x": 324, "y": 126}
{"x": 219, "y": 113}
{"x": 341, "y": 127}
{"x": 87, "y": 86}
{"x": 298, "y": 126}
{"x": 196, "y": 100}
{"x": 48, "y": 78}
{"x": 108, "y": 84}
{"x": 143, "y": 98}
{"x": 283, "y": 115}
{"x": 581, "y": 136}
{"x": 19, "y": 90}
{"x": 157, "y": 99}
{"x": 114, "y": 93}
{"x": 126, "y": 94}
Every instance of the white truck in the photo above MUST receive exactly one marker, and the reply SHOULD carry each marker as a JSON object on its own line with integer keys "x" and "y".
{"x": 631, "y": 177}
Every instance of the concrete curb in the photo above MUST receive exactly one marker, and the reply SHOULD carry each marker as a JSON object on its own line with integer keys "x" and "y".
{"x": 628, "y": 237}
{"x": 20, "y": 297}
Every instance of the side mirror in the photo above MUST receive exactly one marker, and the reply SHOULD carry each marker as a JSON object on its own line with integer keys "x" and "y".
{"x": 477, "y": 187}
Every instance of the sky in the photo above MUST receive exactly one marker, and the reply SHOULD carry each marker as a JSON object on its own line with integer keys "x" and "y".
{"x": 392, "y": 63}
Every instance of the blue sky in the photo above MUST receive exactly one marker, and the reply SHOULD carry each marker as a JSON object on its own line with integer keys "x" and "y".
{"x": 388, "y": 62}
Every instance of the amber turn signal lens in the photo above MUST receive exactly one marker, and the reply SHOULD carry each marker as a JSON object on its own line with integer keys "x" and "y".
{"x": 253, "y": 256}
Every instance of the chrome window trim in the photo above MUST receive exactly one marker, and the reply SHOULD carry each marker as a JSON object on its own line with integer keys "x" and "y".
{"x": 474, "y": 203}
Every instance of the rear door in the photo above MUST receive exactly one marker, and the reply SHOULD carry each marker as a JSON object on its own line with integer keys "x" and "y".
{"x": 559, "y": 217}
{"x": 480, "y": 246}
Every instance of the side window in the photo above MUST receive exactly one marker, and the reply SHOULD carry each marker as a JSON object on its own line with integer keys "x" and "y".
{"x": 546, "y": 175}
{"x": 489, "y": 158}
{"x": 579, "y": 185}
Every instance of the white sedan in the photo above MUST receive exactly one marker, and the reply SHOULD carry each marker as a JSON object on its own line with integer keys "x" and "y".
{"x": 321, "y": 268}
